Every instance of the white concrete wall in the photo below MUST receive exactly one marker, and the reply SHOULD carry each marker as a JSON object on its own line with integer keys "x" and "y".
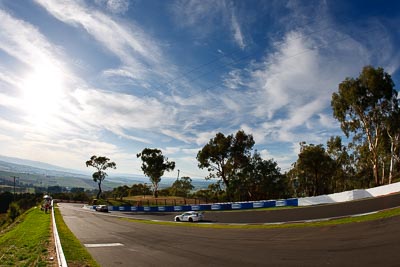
{"x": 350, "y": 195}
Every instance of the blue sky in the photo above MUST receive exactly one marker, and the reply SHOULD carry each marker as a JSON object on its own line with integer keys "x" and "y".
{"x": 112, "y": 77}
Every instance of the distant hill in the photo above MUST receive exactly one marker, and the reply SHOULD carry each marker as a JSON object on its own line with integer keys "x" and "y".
{"x": 40, "y": 165}
{"x": 41, "y": 174}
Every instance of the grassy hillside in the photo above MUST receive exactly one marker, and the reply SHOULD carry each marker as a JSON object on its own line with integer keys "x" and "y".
{"x": 27, "y": 244}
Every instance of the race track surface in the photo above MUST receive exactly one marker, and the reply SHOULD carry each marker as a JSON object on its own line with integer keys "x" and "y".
{"x": 288, "y": 215}
{"x": 116, "y": 242}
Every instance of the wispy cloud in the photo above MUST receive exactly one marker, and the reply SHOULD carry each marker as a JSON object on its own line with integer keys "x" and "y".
{"x": 115, "y": 6}
{"x": 209, "y": 16}
{"x": 281, "y": 98}
{"x": 73, "y": 130}
{"x": 291, "y": 88}
{"x": 23, "y": 41}
{"x": 138, "y": 53}
{"x": 237, "y": 31}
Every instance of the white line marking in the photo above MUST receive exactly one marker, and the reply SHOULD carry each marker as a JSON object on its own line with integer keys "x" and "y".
{"x": 364, "y": 214}
{"x": 103, "y": 245}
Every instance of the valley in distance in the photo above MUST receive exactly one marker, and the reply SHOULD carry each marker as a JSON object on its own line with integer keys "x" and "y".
{"x": 33, "y": 174}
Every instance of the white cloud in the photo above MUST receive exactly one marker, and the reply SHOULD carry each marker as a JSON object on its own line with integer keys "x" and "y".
{"x": 204, "y": 137}
{"x": 74, "y": 130}
{"x": 129, "y": 43}
{"x": 234, "y": 79}
{"x": 115, "y": 6}
{"x": 122, "y": 111}
{"x": 283, "y": 98}
{"x": 197, "y": 12}
{"x": 177, "y": 135}
{"x": 24, "y": 42}
{"x": 237, "y": 32}
{"x": 209, "y": 16}
{"x": 286, "y": 97}
{"x": 328, "y": 121}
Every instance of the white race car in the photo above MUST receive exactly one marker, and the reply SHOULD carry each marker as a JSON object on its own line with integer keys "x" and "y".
{"x": 103, "y": 208}
{"x": 189, "y": 216}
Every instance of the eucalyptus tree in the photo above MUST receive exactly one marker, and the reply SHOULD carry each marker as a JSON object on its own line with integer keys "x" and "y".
{"x": 343, "y": 165}
{"x": 393, "y": 132}
{"x": 313, "y": 170}
{"x": 120, "y": 192}
{"x": 224, "y": 156}
{"x": 154, "y": 164}
{"x": 101, "y": 164}
{"x": 182, "y": 187}
{"x": 139, "y": 189}
{"x": 260, "y": 179}
{"x": 362, "y": 106}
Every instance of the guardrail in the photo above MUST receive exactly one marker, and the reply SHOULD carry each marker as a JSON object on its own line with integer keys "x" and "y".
{"x": 59, "y": 251}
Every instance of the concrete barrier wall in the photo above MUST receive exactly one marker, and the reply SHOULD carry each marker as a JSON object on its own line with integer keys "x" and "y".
{"x": 384, "y": 190}
{"x": 350, "y": 195}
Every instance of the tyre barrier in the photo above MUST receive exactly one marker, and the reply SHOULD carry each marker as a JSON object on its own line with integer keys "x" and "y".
{"x": 204, "y": 207}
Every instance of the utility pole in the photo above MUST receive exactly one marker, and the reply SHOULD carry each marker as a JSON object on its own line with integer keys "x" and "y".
{"x": 14, "y": 184}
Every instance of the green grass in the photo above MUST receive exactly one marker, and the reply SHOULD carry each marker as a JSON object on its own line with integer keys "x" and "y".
{"x": 27, "y": 241}
{"x": 376, "y": 216}
{"x": 75, "y": 253}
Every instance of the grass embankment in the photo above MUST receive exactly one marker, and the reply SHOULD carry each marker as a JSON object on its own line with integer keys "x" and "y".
{"x": 75, "y": 253}
{"x": 26, "y": 244}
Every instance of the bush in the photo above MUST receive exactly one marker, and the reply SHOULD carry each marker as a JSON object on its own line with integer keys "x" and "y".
{"x": 5, "y": 199}
{"x": 13, "y": 211}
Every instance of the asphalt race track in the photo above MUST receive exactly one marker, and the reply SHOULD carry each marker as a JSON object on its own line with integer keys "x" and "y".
{"x": 288, "y": 215}
{"x": 116, "y": 242}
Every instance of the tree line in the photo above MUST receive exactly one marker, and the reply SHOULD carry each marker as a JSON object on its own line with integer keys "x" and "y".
{"x": 181, "y": 187}
{"x": 13, "y": 205}
{"x": 368, "y": 111}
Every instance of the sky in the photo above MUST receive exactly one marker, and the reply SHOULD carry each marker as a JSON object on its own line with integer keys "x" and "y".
{"x": 112, "y": 77}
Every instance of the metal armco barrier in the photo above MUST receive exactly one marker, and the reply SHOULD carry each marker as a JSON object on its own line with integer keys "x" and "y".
{"x": 62, "y": 262}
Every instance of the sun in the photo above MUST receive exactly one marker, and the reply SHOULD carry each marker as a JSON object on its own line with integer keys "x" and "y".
{"x": 42, "y": 91}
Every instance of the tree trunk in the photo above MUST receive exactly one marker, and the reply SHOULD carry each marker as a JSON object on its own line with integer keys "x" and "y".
{"x": 393, "y": 147}
{"x": 155, "y": 191}
{"x": 99, "y": 193}
{"x": 373, "y": 148}
{"x": 376, "y": 172}
{"x": 391, "y": 168}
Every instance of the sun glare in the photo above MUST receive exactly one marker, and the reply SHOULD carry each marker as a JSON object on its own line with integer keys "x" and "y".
{"x": 41, "y": 93}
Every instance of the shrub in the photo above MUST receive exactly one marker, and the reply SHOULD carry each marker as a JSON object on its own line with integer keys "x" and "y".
{"x": 13, "y": 211}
